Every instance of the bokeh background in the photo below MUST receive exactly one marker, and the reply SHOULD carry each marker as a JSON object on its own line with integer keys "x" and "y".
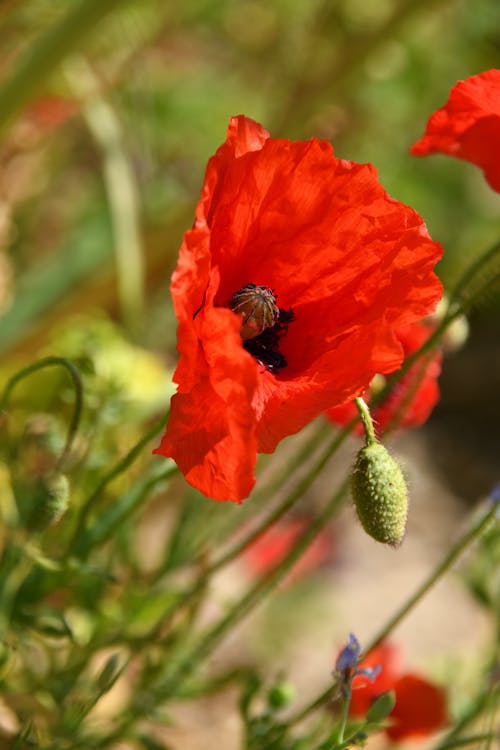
{"x": 101, "y": 168}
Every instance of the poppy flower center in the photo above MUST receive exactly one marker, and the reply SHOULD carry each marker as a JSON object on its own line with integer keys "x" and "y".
{"x": 263, "y": 324}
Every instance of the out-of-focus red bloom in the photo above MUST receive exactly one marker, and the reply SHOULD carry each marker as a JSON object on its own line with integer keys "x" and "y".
{"x": 50, "y": 111}
{"x": 332, "y": 261}
{"x": 413, "y": 397}
{"x": 468, "y": 126}
{"x": 271, "y": 547}
{"x": 421, "y": 707}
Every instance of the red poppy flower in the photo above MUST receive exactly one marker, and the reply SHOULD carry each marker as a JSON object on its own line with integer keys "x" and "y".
{"x": 413, "y": 398}
{"x": 468, "y": 126}
{"x": 271, "y": 547}
{"x": 421, "y": 706}
{"x": 288, "y": 291}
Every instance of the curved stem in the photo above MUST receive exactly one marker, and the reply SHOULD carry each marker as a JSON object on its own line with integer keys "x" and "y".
{"x": 366, "y": 419}
{"x": 77, "y": 385}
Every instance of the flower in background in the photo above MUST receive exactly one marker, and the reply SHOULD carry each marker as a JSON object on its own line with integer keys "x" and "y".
{"x": 289, "y": 290}
{"x": 50, "y": 111}
{"x": 413, "y": 397}
{"x": 421, "y": 706}
{"x": 468, "y": 126}
{"x": 272, "y": 546}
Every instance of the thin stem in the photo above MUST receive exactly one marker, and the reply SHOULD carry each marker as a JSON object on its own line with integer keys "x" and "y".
{"x": 471, "y": 535}
{"x": 472, "y": 270}
{"x": 287, "y": 503}
{"x": 343, "y": 719}
{"x": 366, "y": 419}
{"x": 471, "y": 740}
{"x": 253, "y": 597}
{"x": 117, "y": 469}
{"x": 77, "y": 386}
{"x": 465, "y": 540}
{"x": 41, "y": 58}
{"x": 121, "y": 189}
{"x": 263, "y": 526}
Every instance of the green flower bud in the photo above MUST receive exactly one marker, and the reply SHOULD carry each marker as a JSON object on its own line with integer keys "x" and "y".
{"x": 50, "y": 502}
{"x": 380, "y": 494}
{"x": 281, "y": 694}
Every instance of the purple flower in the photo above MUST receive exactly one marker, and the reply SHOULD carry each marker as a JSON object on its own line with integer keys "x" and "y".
{"x": 348, "y": 657}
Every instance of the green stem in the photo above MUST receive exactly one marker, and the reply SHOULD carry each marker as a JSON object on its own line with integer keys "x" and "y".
{"x": 287, "y": 503}
{"x": 253, "y": 597}
{"x": 366, "y": 419}
{"x": 472, "y": 270}
{"x": 263, "y": 526}
{"x": 77, "y": 386}
{"x": 471, "y": 740}
{"x": 343, "y": 719}
{"x": 117, "y": 469}
{"x": 465, "y": 540}
{"x": 121, "y": 189}
{"x": 42, "y": 57}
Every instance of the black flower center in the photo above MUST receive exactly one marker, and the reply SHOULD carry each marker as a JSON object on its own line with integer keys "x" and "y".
{"x": 263, "y": 324}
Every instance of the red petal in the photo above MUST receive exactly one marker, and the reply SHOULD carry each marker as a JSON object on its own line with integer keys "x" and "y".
{"x": 364, "y": 692}
{"x": 211, "y": 428}
{"x": 420, "y": 710}
{"x": 468, "y": 126}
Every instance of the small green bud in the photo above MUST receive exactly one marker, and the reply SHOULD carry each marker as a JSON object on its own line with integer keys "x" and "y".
{"x": 50, "y": 502}
{"x": 380, "y": 494}
{"x": 281, "y": 694}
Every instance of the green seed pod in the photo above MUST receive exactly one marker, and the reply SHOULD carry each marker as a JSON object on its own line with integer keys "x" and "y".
{"x": 50, "y": 502}
{"x": 380, "y": 494}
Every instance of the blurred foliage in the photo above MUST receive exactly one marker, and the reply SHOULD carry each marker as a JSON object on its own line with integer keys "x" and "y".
{"x": 364, "y": 74}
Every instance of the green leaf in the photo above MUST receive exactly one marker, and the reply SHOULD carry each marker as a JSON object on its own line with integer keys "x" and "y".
{"x": 382, "y": 707}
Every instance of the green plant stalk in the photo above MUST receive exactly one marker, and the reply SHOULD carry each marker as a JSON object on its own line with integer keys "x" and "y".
{"x": 266, "y": 523}
{"x": 474, "y": 268}
{"x": 114, "y": 516}
{"x": 480, "y": 704}
{"x": 263, "y": 526}
{"x": 121, "y": 466}
{"x": 343, "y": 719}
{"x": 121, "y": 189}
{"x": 366, "y": 419}
{"x": 473, "y": 739}
{"x": 77, "y": 386}
{"x": 458, "y": 548}
{"x": 266, "y": 489}
{"x": 43, "y": 56}
{"x": 212, "y": 637}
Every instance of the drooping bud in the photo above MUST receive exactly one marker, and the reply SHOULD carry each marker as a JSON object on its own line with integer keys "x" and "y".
{"x": 380, "y": 494}
{"x": 49, "y": 502}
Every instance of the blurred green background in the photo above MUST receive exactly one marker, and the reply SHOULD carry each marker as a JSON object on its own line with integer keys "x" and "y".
{"x": 111, "y": 109}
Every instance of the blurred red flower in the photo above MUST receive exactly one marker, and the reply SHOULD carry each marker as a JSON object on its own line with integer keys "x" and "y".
{"x": 271, "y": 547}
{"x": 421, "y": 707}
{"x": 468, "y": 126}
{"x": 50, "y": 111}
{"x": 413, "y": 397}
{"x": 285, "y": 223}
